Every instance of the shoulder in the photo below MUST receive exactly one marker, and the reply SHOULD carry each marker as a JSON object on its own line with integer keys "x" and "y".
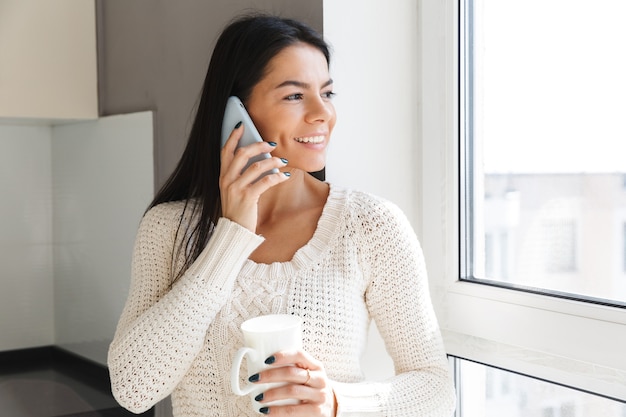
{"x": 164, "y": 214}
{"x": 371, "y": 208}
{"x": 165, "y": 219}
{"x": 380, "y": 230}
{"x": 159, "y": 231}
{"x": 370, "y": 213}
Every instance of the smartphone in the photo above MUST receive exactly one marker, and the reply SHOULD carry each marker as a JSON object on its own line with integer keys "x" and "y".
{"x": 235, "y": 113}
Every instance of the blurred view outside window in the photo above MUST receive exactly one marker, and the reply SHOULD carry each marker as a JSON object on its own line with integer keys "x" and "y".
{"x": 491, "y": 392}
{"x": 544, "y": 119}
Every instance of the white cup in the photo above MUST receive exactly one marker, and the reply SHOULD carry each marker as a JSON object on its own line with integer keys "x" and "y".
{"x": 263, "y": 336}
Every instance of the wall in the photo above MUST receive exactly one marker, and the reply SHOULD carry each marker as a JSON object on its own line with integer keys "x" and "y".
{"x": 73, "y": 196}
{"x": 102, "y": 182}
{"x": 375, "y": 143}
{"x": 26, "y": 305}
{"x": 49, "y": 63}
{"x": 153, "y": 55}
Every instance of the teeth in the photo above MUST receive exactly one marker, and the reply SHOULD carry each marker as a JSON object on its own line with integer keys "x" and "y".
{"x": 312, "y": 139}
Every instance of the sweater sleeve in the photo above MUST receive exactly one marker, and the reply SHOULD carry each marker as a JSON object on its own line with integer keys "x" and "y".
{"x": 162, "y": 328}
{"x": 398, "y": 300}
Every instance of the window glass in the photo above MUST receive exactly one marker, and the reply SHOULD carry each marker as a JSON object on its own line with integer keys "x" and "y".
{"x": 543, "y": 113}
{"x": 492, "y": 392}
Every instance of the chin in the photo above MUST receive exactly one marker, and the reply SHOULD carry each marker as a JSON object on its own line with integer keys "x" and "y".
{"x": 309, "y": 165}
{"x": 317, "y": 165}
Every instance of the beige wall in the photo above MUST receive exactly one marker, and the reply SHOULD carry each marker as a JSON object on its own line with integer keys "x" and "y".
{"x": 48, "y": 60}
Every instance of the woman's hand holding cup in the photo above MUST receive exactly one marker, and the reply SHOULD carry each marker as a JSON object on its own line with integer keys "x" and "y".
{"x": 282, "y": 378}
{"x": 306, "y": 381}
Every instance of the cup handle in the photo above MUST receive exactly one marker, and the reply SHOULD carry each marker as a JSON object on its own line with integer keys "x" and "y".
{"x": 234, "y": 372}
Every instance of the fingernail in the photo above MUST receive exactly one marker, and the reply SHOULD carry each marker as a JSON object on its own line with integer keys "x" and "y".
{"x": 272, "y": 143}
{"x": 238, "y": 125}
{"x": 264, "y": 410}
{"x": 284, "y": 160}
{"x": 287, "y": 174}
{"x": 259, "y": 397}
{"x": 254, "y": 378}
{"x": 271, "y": 359}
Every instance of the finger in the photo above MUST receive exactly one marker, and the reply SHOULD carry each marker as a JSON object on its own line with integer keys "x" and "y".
{"x": 228, "y": 150}
{"x": 240, "y": 199}
{"x": 291, "y": 374}
{"x": 300, "y": 358}
{"x": 309, "y": 381}
{"x": 230, "y": 147}
{"x": 303, "y": 393}
{"x": 261, "y": 164}
{"x": 235, "y": 135}
{"x": 292, "y": 410}
{"x": 234, "y": 163}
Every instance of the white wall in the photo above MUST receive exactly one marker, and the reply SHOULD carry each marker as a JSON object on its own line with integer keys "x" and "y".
{"x": 375, "y": 144}
{"x": 72, "y": 198}
{"x": 26, "y": 308}
{"x": 102, "y": 182}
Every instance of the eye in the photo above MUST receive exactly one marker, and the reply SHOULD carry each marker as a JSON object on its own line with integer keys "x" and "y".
{"x": 294, "y": 97}
{"x": 328, "y": 95}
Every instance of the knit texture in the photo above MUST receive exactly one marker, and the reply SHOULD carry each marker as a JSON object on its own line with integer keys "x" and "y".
{"x": 363, "y": 262}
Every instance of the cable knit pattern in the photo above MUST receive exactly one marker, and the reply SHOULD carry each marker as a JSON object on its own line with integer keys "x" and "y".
{"x": 363, "y": 262}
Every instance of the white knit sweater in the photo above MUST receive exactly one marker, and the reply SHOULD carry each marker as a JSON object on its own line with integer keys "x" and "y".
{"x": 363, "y": 262}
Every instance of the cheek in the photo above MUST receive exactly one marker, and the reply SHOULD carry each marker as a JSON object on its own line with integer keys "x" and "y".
{"x": 266, "y": 129}
{"x": 263, "y": 131}
{"x": 270, "y": 126}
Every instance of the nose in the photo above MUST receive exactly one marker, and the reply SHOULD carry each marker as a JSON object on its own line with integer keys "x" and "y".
{"x": 319, "y": 110}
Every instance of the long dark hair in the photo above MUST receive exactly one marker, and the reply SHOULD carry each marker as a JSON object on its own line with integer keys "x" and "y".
{"x": 238, "y": 63}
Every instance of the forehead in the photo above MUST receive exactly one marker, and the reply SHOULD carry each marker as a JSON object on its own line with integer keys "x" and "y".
{"x": 298, "y": 62}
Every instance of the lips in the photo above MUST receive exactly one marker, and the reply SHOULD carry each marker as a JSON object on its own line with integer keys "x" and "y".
{"x": 311, "y": 139}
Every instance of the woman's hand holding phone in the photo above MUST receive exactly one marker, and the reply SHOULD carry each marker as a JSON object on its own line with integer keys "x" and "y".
{"x": 241, "y": 186}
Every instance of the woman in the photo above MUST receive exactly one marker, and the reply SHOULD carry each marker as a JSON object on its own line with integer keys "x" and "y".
{"x": 217, "y": 247}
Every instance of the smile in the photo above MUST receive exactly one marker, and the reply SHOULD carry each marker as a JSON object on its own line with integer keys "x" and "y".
{"x": 311, "y": 139}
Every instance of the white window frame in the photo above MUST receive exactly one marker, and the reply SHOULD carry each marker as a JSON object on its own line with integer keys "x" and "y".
{"x": 577, "y": 344}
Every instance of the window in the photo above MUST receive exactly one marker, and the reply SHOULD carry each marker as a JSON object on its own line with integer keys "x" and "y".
{"x": 624, "y": 246}
{"x": 544, "y": 103}
{"x": 560, "y": 245}
{"x": 526, "y": 260}
{"x": 492, "y": 392}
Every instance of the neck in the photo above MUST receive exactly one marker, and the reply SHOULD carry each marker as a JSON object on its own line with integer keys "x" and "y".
{"x": 301, "y": 192}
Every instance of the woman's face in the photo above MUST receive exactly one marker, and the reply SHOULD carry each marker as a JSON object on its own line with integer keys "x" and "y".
{"x": 292, "y": 106}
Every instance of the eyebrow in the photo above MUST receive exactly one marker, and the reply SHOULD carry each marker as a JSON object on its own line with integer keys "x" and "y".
{"x": 301, "y": 84}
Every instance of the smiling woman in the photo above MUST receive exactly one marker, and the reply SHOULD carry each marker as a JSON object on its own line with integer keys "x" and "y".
{"x": 218, "y": 247}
